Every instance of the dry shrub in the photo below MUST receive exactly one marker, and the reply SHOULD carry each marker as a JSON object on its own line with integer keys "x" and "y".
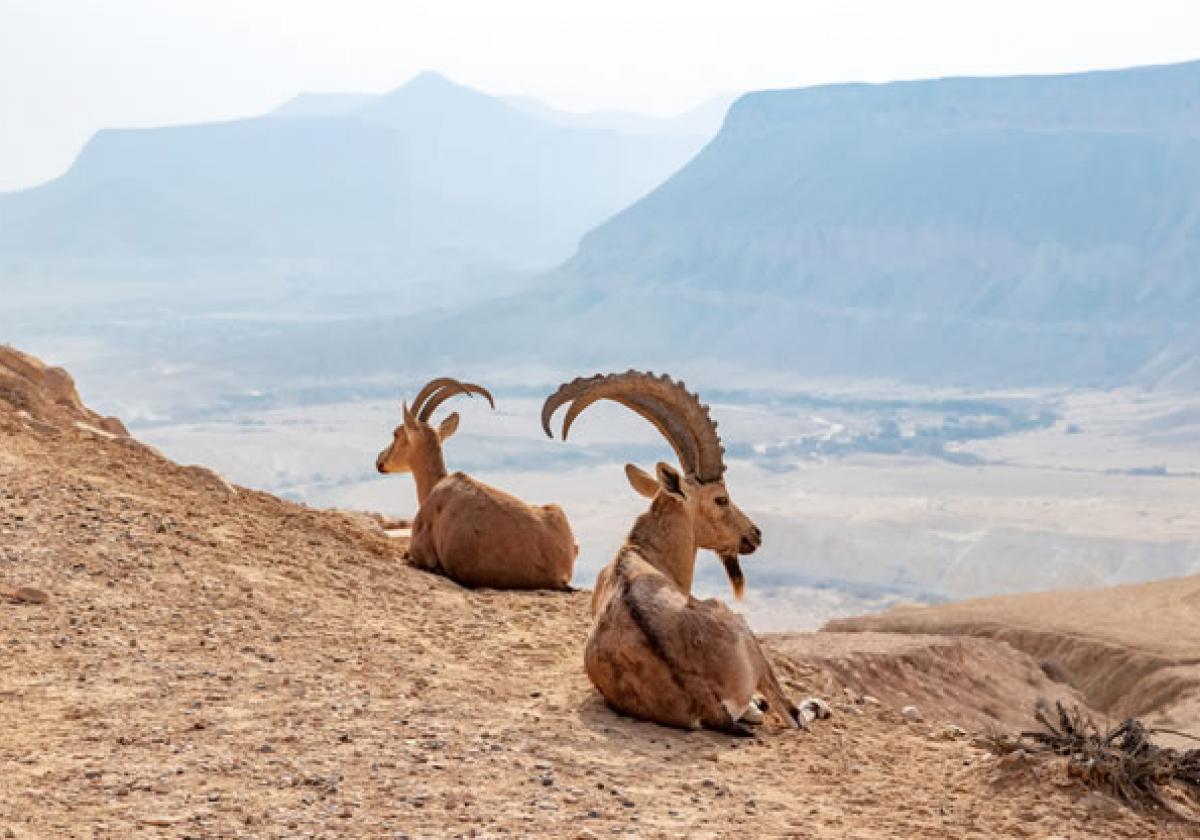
{"x": 1122, "y": 762}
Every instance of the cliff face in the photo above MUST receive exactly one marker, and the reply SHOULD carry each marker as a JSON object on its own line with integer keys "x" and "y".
{"x": 212, "y": 661}
{"x": 1016, "y": 229}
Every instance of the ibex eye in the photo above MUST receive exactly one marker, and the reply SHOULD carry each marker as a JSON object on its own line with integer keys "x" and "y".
{"x": 722, "y": 500}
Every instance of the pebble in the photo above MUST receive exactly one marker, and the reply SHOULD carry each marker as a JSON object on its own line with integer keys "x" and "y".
{"x": 912, "y": 713}
{"x": 159, "y": 822}
{"x": 1016, "y": 758}
{"x": 950, "y": 732}
{"x": 28, "y": 595}
{"x": 1097, "y": 803}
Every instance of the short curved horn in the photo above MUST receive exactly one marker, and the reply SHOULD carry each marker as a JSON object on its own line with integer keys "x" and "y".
{"x": 452, "y": 388}
{"x": 427, "y": 391}
{"x": 677, "y": 413}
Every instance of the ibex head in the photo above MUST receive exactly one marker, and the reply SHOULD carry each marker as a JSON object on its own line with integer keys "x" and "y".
{"x": 416, "y": 438}
{"x": 717, "y": 523}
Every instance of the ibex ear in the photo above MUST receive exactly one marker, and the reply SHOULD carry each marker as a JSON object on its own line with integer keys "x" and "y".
{"x": 449, "y": 426}
{"x": 641, "y": 481}
{"x": 670, "y": 480}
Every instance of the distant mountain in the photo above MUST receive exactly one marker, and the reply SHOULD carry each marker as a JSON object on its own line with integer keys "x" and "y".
{"x": 703, "y": 121}
{"x": 1026, "y": 229}
{"x": 978, "y": 232}
{"x": 431, "y": 175}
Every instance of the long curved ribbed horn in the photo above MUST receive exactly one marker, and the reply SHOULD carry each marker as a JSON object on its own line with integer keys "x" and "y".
{"x": 452, "y": 387}
{"x": 660, "y": 415}
{"x": 675, "y": 412}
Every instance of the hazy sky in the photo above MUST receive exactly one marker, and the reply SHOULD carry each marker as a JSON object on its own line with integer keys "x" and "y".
{"x": 70, "y": 68}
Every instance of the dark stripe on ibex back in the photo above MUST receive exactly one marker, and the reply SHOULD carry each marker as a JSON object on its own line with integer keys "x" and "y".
{"x": 643, "y": 622}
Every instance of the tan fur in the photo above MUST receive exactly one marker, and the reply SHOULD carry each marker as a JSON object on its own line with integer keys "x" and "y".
{"x": 481, "y": 536}
{"x": 470, "y": 532}
{"x": 654, "y": 651}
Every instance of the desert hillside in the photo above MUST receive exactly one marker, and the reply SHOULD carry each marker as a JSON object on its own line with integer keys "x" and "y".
{"x": 183, "y": 658}
{"x": 1131, "y": 650}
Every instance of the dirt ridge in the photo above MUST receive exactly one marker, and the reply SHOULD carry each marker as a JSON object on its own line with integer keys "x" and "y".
{"x": 1119, "y": 670}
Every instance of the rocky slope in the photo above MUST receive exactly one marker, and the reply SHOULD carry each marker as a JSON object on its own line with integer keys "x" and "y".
{"x": 208, "y": 661}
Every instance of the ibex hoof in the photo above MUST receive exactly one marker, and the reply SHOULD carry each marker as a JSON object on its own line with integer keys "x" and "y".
{"x": 814, "y": 708}
{"x": 753, "y": 715}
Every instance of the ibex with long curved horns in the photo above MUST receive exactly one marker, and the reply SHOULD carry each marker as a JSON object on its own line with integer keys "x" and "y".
{"x": 654, "y": 651}
{"x": 464, "y": 529}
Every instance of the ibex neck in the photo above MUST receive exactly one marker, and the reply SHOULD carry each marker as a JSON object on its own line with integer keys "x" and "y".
{"x": 428, "y": 468}
{"x": 665, "y": 538}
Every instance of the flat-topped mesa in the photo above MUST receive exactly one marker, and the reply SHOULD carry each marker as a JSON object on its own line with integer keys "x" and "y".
{"x": 46, "y": 395}
{"x": 654, "y": 651}
{"x": 464, "y": 529}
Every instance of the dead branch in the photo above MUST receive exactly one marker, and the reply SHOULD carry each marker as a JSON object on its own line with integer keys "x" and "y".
{"x": 1122, "y": 762}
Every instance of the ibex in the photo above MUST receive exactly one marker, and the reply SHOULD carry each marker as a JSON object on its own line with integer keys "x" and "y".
{"x": 654, "y": 651}
{"x": 464, "y": 529}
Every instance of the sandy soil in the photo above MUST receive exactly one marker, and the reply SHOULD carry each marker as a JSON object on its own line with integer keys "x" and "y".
{"x": 210, "y": 662}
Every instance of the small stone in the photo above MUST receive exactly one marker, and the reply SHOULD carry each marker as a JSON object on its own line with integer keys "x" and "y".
{"x": 869, "y": 700}
{"x": 1014, "y": 759}
{"x": 1098, "y": 803}
{"x": 29, "y": 595}
{"x": 950, "y": 732}
{"x": 912, "y": 714}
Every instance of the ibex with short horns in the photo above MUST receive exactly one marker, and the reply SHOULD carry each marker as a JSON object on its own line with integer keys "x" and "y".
{"x": 654, "y": 651}
{"x": 464, "y": 529}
